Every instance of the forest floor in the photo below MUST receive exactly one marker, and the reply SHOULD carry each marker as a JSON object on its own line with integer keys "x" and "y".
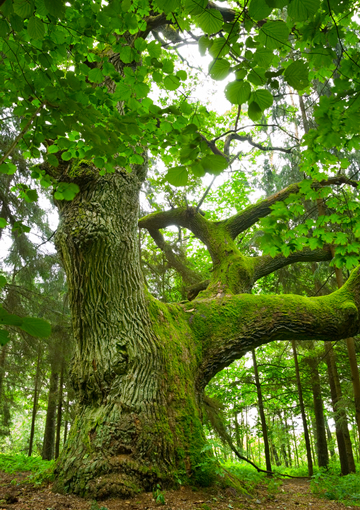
{"x": 290, "y": 494}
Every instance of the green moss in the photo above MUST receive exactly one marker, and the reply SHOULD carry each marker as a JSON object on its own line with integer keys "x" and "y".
{"x": 81, "y": 167}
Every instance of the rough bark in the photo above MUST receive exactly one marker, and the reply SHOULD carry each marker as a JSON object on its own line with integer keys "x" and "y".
{"x": 302, "y": 409}
{"x": 138, "y": 418}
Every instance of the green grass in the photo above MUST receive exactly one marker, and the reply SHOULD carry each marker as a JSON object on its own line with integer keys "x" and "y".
{"x": 18, "y": 462}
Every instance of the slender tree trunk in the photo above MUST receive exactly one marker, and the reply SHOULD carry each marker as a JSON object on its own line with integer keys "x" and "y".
{"x": 50, "y": 423}
{"x": 330, "y": 440}
{"x": 295, "y": 444}
{"x": 262, "y": 414}
{"x": 59, "y": 411}
{"x": 238, "y": 439}
{"x": 35, "y": 402}
{"x": 342, "y": 431}
{"x": 319, "y": 429}
{"x": 3, "y": 352}
{"x": 302, "y": 409}
{"x": 312, "y": 438}
{"x": 276, "y": 456}
{"x": 287, "y": 428}
{"x": 350, "y": 343}
{"x": 66, "y": 412}
{"x": 4, "y": 405}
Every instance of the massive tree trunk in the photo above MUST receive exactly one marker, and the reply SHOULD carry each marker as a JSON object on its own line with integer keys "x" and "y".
{"x": 135, "y": 361}
{"x": 140, "y": 366}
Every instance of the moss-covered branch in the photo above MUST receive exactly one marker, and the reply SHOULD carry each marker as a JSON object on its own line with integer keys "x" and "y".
{"x": 214, "y": 237}
{"x": 252, "y": 214}
{"x": 230, "y": 326}
{"x": 266, "y": 264}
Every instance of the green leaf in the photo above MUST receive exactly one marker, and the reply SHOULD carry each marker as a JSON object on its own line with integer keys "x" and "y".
{"x": 36, "y": 327}
{"x": 4, "y": 28}
{"x": 237, "y": 92}
{"x": 3, "y": 224}
{"x": 351, "y": 261}
{"x": 24, "y": 8}
{"x": 31, "y": 196}
{"x": 204, "y": 44}
{"x": 55, "y": 8}
{"x": 219, "y": 69}
{"x": 36, "y": 28}
{"x": 297, "y": 75}
{"x": 96, "y": 75}
{"x": 214, "y": 163}
{"x": 263, "y": 57}
{"x": 259, "y": 9}
{"x": 4, "y": 337}
{"x": 66, "y": 191}
{"x": 210, "y": 21}
{"x": 257, "y": 76}
{"x": 3, "y": 281}
{"x": 9, "y": 319}
{"x": 52, "y": 160}
{"x": 177, "y": 176}
{"x": 66, "y": 156}
{"x": 7, "y": 168}
{"x": 171, "y": 82}
{"x": 254, "y": 111}
{"x": 263, "y": 98}
{"x": 182, "y": 75}
{"x": 99, "y": 162}
{"x": 302, "y": 10}
{"x": 197, "y": 169}
{"x": 195, "y": 7}
{"x": 274, "y": 34}
{"x": 167, "y": 5}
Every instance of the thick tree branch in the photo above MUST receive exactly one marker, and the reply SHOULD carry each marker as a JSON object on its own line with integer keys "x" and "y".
{"x": 189, "y": 276}
{"x": 266, "y": 264}
{"x": 188, "y": 218}
{"x": 252, "y": 214}
{"x": 231, "y": 326}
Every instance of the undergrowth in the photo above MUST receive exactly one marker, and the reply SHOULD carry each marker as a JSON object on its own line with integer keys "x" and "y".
{"x": 329, "y": 485}
{"x": 40, "y": 470}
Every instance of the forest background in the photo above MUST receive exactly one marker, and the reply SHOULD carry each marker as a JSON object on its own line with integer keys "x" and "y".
{"x": 291, "y": 78}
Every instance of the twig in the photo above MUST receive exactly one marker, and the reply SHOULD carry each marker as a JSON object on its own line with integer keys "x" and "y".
{"x": 20, "y": 136}
{"x": 204, "y": 195}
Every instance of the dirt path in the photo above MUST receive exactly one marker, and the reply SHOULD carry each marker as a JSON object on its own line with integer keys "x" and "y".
{"x": 293, "y": 494}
